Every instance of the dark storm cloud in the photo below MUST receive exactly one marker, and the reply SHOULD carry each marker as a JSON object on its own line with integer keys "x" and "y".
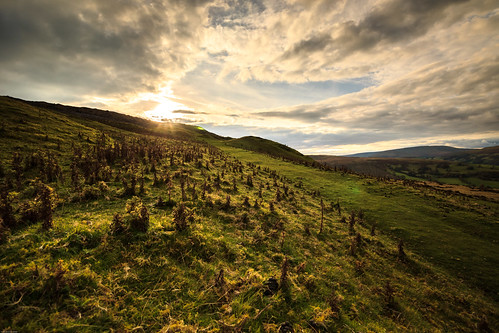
{"x": 96, "y": 46}
{"x": 396, "y": 20}
{"x": 311, "y": 45}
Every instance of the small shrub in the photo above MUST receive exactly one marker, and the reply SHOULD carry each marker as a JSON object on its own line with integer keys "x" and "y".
{"x": 245, "y": 218}
{"x": 388, "y": 294}
{"x": 220, "y": 279}
{"x": 4, "y": 231}
{"x": 249, "y": 181}
{"x": 29, "y": 213}
{"x": 6, "y": 210}
{"x": 353, "y": 247}
{"x": 103, "y": 187}
{"x": 90, "y": 192}
{"x": 180, "y": 217}
{"x": 284, "y": 273}
{"x": 334, "y": 302}
{"x": 226, "y": 205}
{"x": 401, "y": 252}
{"x": 137, "y": 215}
{"x": 358, "y": 240}
{"x": 117, "y": 226}
{"x": 351, "y": 222}
{"x": 57, "y": 280}
{"x": 46, "y": 201}
{"x": 160, "y": 202}
{"x": 256, "y": 205}
{"x": 306, "y": 229}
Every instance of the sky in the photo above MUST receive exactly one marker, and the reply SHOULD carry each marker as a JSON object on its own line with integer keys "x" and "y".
{"x": 321, "y": 76}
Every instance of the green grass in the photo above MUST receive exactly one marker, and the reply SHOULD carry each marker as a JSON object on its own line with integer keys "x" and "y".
{"x": 268, "y": 147}
{"x": 455, "y": 234}
{"x": 78, "y": 276}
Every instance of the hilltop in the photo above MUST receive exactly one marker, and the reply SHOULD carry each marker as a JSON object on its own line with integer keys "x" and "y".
{"x": 127, "y": 226}
{"x": 271, "y": 148}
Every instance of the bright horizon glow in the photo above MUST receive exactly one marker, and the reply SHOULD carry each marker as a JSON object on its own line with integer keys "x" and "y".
{"x": 165, "y": 110}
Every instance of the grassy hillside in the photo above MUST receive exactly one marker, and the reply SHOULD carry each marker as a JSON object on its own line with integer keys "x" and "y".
{"x": 271, "y": 148}
{"x": 95, "y": 117}
{"x": 106, "y": 229}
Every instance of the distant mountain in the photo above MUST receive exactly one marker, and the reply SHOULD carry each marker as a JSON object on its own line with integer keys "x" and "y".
{"x": 414, "y": 152}
{"x": 470, "y": 167}
{"x": 487, "y": 155}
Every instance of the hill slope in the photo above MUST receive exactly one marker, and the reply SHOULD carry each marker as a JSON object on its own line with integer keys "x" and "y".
{"x": 122, "y": 121}
{"x": 174, "y": 234}
{"x": 268, "y": 147}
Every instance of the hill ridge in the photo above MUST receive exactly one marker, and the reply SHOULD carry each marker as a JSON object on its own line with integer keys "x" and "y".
{"x": 413, "y": 152}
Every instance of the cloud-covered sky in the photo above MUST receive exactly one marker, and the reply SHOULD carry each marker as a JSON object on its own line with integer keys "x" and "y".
{"x": 322, "y": 76}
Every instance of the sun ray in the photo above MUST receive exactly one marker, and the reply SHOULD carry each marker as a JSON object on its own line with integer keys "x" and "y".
{"x": 166, "y": 110}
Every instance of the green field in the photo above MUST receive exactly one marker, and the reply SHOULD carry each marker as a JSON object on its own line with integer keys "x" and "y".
{"x": 180, "y": 231}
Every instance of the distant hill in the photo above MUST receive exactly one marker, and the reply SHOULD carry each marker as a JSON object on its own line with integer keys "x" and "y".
{"x": 269, "y": 147}
{"x": 414, "y": 152}
{"x": 475, "y": 169}
{"x": 488, "y": 155}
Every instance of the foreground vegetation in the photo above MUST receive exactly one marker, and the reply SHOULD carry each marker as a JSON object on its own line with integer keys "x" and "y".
{"x": 105, "y": 229}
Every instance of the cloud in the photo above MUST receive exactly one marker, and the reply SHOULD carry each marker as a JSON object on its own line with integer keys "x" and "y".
{"x": 231, "y": 13}
{"x": 188, "y": 112}
{"x": 305, "y": 47}
{"x": 309, "y": 73}
{"x": 98, "y": 47}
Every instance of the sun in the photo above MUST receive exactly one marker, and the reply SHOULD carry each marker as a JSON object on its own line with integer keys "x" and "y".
{"x": 166, "y": 110}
